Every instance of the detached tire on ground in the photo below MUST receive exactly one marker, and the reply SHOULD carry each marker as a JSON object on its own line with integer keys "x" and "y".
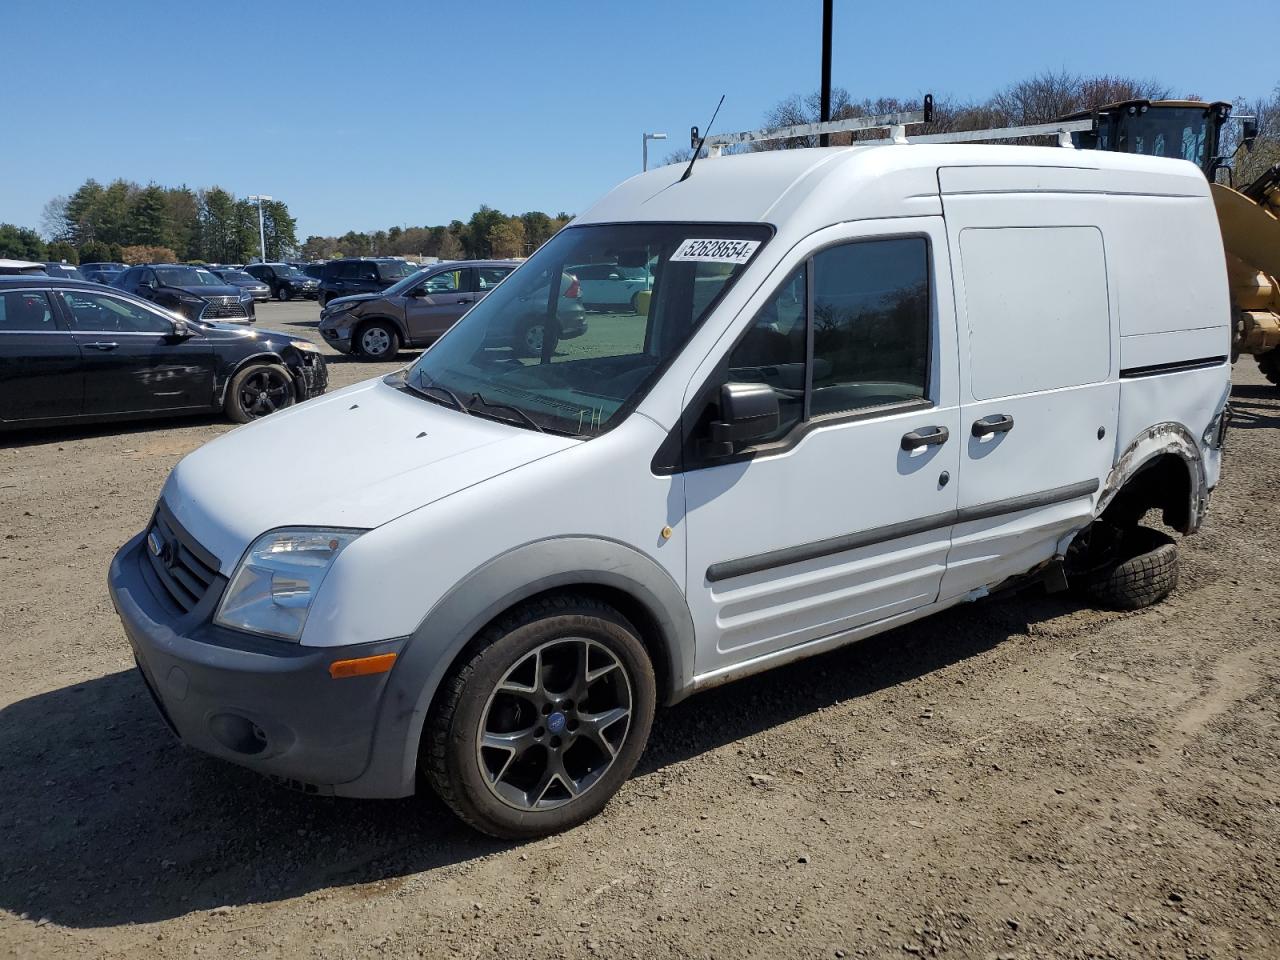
{"x": 542, "y": 722}
{"x": 259, "y": 390}
{"x": 1143, "y": 572}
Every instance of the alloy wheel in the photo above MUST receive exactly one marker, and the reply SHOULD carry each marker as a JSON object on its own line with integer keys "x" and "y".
{"x": 375, "y": 341}
{"x": 554, "y": 724}
{"x": 533, "y": 338}
{"x": 265, "y": 391}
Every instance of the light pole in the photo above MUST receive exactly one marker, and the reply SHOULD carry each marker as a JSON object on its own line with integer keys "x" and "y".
{"x": 644, "y": 147}
{"x": 262, "y": 230}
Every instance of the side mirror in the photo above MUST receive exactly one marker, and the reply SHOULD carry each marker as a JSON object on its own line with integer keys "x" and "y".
{"x": 146, "y": 284}
{"x": 418, "y": 292}
{"x": 1249, "y": 133}
{"x": 181, "y": 329}
{"x": 748, "y": 412}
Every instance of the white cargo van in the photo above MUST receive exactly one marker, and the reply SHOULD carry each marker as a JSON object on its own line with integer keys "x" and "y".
{"x": 869, "y": 383}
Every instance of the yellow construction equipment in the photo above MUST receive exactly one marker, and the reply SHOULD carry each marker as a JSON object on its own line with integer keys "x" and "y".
{"x": 1249, "y": 215}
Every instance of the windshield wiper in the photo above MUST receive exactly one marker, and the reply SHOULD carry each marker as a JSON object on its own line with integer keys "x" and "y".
{"x": 426, "y": 388}
{"x": 524, "y": 417}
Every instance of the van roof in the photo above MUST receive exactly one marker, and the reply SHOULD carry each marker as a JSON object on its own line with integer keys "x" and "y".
{"x": 832, "y": 184}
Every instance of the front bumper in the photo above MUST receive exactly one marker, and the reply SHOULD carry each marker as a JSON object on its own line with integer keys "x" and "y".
{"x": 339, "y": 339}
{"x": 264, "y": 704}
{"x": 311, "y": 375}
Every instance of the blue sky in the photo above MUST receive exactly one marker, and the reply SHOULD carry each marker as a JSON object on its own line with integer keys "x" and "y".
{"x": 365, "y": 115}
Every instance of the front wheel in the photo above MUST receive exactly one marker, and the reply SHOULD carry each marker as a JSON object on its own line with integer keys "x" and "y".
{"x": 283, "y": 293}
{"x": 258, "y": 391}
{"x": 378, "y": 341}
{"x": 541, "y": 726}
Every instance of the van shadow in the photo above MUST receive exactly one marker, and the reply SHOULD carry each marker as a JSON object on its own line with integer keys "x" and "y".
{"x": 107, "y": 820}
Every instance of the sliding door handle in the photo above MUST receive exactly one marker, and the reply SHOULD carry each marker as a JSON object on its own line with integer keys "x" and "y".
{"x": 996, "y": 423}
{"x": 928, "y": 437}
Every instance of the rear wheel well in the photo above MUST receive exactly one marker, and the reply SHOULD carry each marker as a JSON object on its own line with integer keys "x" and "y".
{"x": 1162, "y": 483}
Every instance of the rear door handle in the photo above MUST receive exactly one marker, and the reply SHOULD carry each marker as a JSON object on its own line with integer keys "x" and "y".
{"x": 464, "y": 299}
{"x": 996, "y": 423}
{"x": 102, "y": 345}
{"x": 928, "y": 437}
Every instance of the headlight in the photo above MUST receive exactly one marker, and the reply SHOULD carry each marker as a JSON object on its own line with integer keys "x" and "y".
{"x": 189, "y": 298}
{"x": 303, "y": 345}
{"x": 272, "y": 589}
{"x": 245, "y": 295}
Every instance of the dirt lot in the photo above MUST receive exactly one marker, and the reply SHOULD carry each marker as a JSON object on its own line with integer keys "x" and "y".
{"x": 1023, "y": 777}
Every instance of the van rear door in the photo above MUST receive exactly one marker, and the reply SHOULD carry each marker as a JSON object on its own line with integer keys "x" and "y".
{"x": 1039, "y": 363}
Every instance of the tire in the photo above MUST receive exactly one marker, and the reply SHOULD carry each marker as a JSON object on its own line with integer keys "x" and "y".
{"x": 259, "y": 390}
{"x": 519, "y": 791}
{"x": 528, "y": 340}
{"x": 283, "y": 293}
{"x": 1142, "y": 572}
{"x": 377, "y": 340}
{"x": 1269, "y": 364}
{"x": 635, "y": 303}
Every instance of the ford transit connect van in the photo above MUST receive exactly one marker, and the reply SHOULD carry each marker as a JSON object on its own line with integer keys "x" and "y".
{"x": 871, "y": 383}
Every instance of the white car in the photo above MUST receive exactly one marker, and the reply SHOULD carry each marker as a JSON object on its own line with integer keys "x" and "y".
{"x": 606, "y": 285}
{"x": 874, "y": 382}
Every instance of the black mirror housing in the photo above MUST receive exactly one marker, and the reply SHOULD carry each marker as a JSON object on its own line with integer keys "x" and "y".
{"x": 1249, "y": 133}
{"x": 748, "y": 412}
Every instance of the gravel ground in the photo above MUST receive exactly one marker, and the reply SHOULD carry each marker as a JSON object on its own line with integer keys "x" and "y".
{"x": 1022, "y": 777}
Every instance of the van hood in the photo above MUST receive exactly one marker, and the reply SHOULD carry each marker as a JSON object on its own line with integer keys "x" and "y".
{"x": 359, "y": 457}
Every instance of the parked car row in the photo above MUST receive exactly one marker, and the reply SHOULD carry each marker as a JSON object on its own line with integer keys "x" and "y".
{"x": 418, "y": 309}
{"x": 193, "y": 292}
{"x": 72, "y": 351}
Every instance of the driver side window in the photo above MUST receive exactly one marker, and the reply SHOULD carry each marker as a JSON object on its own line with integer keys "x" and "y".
{"x": 774, "y": 348}
{"x": 101, "y": 313}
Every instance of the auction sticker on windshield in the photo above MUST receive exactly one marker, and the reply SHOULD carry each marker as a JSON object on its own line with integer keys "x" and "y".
{"x": 715, "y": 251}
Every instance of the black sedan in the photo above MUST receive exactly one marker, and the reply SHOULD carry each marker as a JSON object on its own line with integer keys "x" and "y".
{"x": 193, "y": 292}
{"x": 73, "y": 352}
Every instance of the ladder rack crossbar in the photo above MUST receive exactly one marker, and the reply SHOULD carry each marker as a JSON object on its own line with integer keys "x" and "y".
{"x": 1006, "y": 133}
{"x": 882, "y": 122}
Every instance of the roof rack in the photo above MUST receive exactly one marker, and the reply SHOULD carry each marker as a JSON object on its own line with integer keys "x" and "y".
{"x": 896, "y": 124}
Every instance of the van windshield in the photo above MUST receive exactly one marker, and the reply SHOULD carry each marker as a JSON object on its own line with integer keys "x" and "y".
{"x": 530, "y": 352}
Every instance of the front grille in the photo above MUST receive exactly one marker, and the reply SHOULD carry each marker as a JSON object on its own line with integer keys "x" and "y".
{"x": 224, "y": 308}
{"x": 185, "y": 569}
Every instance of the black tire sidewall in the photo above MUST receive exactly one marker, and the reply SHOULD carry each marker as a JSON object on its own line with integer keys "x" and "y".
{"x": 232, "y": 406}
{"x": 283, "y": 293}
{"x": 1143, "y": 574}
{"x": 480, "y": 806}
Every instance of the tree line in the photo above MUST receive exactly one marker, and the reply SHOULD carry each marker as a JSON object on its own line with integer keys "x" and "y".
{"x": 489, "y": 234}
{"x": 124, "y": 221}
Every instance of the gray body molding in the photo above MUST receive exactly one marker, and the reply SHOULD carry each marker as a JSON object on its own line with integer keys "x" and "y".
{"x": 483, "y": 594}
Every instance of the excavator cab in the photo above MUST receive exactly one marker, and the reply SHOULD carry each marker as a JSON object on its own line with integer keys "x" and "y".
{"x": 1187, "y": 129}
